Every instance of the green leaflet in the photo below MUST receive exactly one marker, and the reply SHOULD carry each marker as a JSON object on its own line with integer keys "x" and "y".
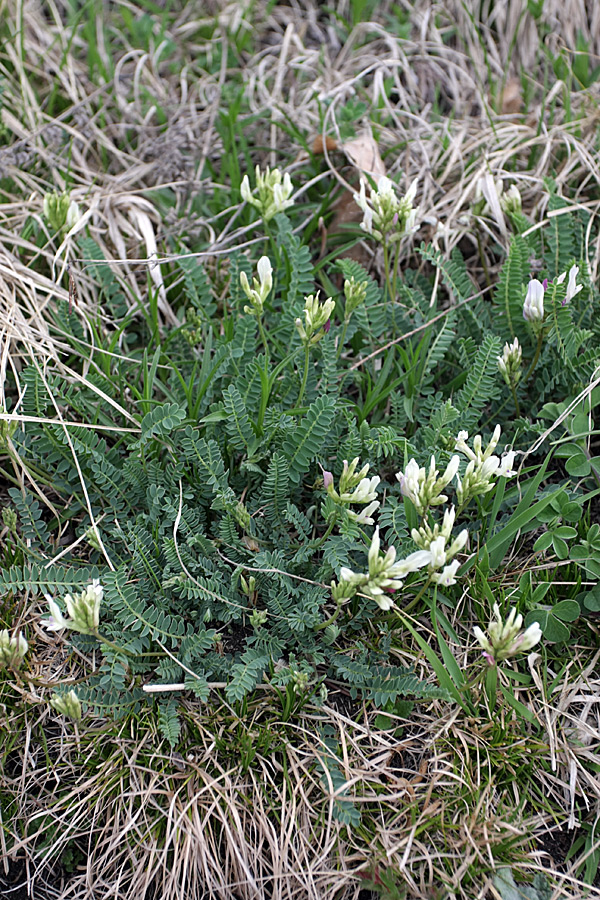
{"x": 306, "y": 443}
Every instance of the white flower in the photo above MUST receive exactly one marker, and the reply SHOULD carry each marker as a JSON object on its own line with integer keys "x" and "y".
{"x": 12, "y": 648}
{"x": 437, "y": 548}
{"x": 424, "y": 489}
{"x": 510, "y": 201}
{"x": 274, "y": 192}
{"x": 68, "y": 704}
{"x": 385, "y": 575}
{"x": 506, "y": 465}
{"x": 316, "y": 315}
{"x": 447, "y": 576}
{"x": 385, "y": 216}
{"x": 365, "y": 491}
{"x": 245, "y": 189}
{"x": 364, "y": 516}
{"x": 509, "y": 363}
{"x": 533, "y": 308}
{"x": 572, "y": 287}
{"x": 411, "y": 480}
{"x": 83, "y": 609}
{"x": 505, "y": 638}
{"x": 57, "y": 621}
{"x": 73, "y": 215}
{"x": 261, "y": 287}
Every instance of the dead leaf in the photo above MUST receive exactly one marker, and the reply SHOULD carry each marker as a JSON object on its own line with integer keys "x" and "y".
{"x": 512, "y": 97}
{"x": 363, "y": 153}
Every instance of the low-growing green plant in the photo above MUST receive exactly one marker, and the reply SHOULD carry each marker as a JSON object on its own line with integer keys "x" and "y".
{"x": 229, "y": 531}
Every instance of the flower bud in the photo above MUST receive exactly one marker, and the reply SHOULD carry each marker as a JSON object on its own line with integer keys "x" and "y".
{"x": 509, "y": 364}
{"x": 12, "y": 649}
{"x": 68, "y": 704}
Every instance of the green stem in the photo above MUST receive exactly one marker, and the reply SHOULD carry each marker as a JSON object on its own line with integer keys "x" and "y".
{"x": 263, "y": 336}
{"x": 305, "y": 375}
{"x": 272, "y": 244}
{"x": 514, "y": 393}
{"x": 416, "y": 599}
{"x": 386, "y": 266}
{"x": 332, "y": 618}
{"x": 342, "y": 338}
{"x": 538, "y": 350}
{"x": 324, "y": 537}
{"x": 105, "y": 640}
{"x": 482, "y": 257}
{"x": 396, "y": 270}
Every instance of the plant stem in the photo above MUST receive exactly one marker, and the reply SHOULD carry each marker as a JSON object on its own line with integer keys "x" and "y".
{"x": 324, "y": 537}
{"x": 342, "y": 338}
{"x": 263, "y": 336}
{"x": 386, "y": 266}
{"x": 332, "y": 618}
{"x": 416, "y": 599}
{"x": 305, "y": 375}
{"x": 538, "y": 350}
{"x": 514, "y": 393}
{"x": 482, "y": 257}
{"x": 107, "y": 643}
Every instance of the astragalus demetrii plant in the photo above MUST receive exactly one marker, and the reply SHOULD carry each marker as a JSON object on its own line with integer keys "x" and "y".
{"x": 183, "y": 467}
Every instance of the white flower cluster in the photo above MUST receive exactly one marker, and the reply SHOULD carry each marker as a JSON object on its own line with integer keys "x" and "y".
{"x": 354, "y": 487}
{"x": 509, "y": 363}
{"x": 83, "y": 610}
{"x": 424, "y": 489}
{"x": 271, "y": 194}
{"x": 316, "y": 316}
{"x": 60, "y": 211}
{"x": 387, "y": 217}
{"x": 484, "y": 466}
{"x": 506, "y": 638}
{"x": 12, "y": 649}
{"x": 261, "y": 286}
{"x": 385, "y": 575}
{"x": 438, "y": 540}
{"x": 68, "y": 704}
{"x": 510, "y": 200}
{"x": 438, "y": 547}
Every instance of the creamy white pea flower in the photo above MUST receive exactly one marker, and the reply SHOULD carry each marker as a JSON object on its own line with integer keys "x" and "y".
{"x": 12, "y": 648}
{"x": 424, "y": 489}
{"x": 261, "y": 286}
{"x": 447, "y": 576}
{"x": 68, "y": 704}
{"x": 387, "y": 217}
{"x": 364, "y": 517}
{"x": 484, "y": 466}
{"x": 509, "y": 364}
{"x": 272, "y": 194}
{"x": 505, "y": 639}
{"x": 533, "y": 307}
{"x": 385, "y": 574}
{"x": 83, "y": 609}
{"x": 572, "y": 287}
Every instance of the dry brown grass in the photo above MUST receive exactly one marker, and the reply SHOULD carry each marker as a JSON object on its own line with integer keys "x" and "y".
{"x": 164, "y": 826}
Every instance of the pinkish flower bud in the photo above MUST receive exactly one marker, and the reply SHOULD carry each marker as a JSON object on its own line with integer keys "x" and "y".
{"x": 327, "y": 477}
{"x": 327, "y": 326}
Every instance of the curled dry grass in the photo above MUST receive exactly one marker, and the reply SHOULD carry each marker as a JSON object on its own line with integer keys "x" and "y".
{"x": 156, "y": 825}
